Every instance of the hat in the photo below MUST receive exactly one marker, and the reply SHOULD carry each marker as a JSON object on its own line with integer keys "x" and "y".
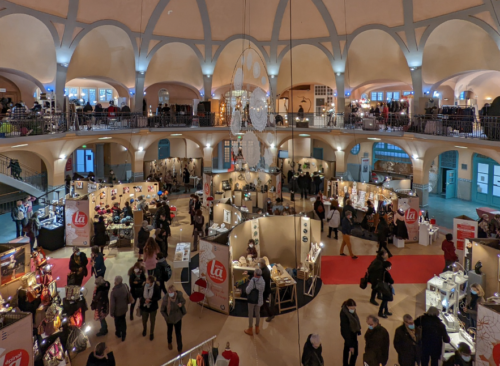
{"x": 132, "y": 200}
{"x": 75, "y": 249}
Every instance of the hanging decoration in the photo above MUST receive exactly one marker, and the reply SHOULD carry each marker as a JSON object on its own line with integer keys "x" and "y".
{"x": 258, "y": 109}
{"x": 268, "y": 157}
{"x": 248, "y": 176}
{"x": 249, "y": 60}
{"x": 236, "y": 122}
{"x": 251, "y": 149}
{"x": 256, "y": 70}
{"x": 238, "y": 79}
{"x": 270, "y": 138}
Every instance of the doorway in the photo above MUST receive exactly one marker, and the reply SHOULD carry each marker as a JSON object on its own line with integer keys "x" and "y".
{"x": 447, "y": 180}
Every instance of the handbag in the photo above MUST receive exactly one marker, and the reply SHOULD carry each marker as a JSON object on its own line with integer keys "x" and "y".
{"x": 363, "y": 282}
{"x": 45, "y": 296}
{"x": 72, "y": 292}
{"x": 77, "y": 341}
{"x": 71, "y": 279}
{"x": 130, "y": 298}
{"x": 384, "y": 288}
{"x": 76, "y": 319}
{"x": 54, "y": 354}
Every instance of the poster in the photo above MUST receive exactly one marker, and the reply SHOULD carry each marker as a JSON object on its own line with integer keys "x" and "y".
{"x": 207, "y": 182}
{"x": 278, "y": 185}
{"x": 17, "y": 343}
{"x": 488, "y": 337}
{"x": 463, "y": 228}
{"x": 256, "y": 235}
{"x": 214, "y": 267}
{"x": 411, "y": 207}
{"x": 227, "y": 216}
{"x": 365, "y": 170}
{"x": 77, "y": 223}
{"x": 13, "y": 264}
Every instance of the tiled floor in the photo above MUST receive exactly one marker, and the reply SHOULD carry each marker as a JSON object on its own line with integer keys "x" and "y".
{"x": 444, "y": 210}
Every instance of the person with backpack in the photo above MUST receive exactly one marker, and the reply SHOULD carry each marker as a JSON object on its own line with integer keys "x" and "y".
{"x": 333, "y": 218}
{"x": 199, "y": 222}
{"x": 255, "y": 297}
{"x": 319, "y": 208}
{"x": 163, "y": 271}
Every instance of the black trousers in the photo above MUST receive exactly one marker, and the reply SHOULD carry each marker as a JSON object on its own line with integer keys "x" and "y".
{"x": 373, "y": 294}
{"x": 426, "y": 358}
{"x": 349, "y": 359}
{"x": 269, "y": 309}
{"x": 383, "y": 309}
{"x": 383, "y": 244}
{"x": 121, "y": 325}
{"x": 335, "y": 230}
{"x": 303, "y": 192}
{"x": 178, "y": 335}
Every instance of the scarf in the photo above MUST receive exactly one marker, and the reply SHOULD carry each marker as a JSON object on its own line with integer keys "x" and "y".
{"x": 148, "y": 293}
{"x": 170, "y": 301}
{"x": 412, "y": 334}
{"x": 353, "y": 320}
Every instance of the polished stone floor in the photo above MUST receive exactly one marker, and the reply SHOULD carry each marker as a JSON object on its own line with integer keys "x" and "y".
{"x": 279, "y": 341}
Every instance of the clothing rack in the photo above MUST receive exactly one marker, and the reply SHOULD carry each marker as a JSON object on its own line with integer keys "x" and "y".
{"x": 184, "y": 354}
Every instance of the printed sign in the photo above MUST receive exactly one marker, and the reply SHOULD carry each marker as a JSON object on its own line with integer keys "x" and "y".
{"x": 256, "y": 235}
{"x": 17, "y": 344}
{"x": 278, "y": 185}
{"x": 365, "y": 170}
{"x": 463, "y": 228}
{"x": 13, "y": 264}
{"x": 410, "y": 206}
{"x": 488, "y": 337}
{"x": 207, "y": 182}
{"x": 77, "y": 223}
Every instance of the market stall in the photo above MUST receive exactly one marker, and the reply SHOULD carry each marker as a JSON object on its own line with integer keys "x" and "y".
{"x": 14, "y": 263}
{"x": 175, "y": 167}
{"x": 482, "y": 261}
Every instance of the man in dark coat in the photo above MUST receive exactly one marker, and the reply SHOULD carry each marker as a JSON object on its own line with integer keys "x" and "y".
{"x": 375, "y": 273}
{"x": 302, "y": 185}
{"x": 266, "y": 275}
{"x": 78, "y": 265}
{"x": 377, "y": 343}
{"x": 433, "y": 335}
{"x": 407, "y": 343}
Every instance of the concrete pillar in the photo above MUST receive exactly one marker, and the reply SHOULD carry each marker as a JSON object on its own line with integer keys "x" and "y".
{"x": 61, "y": 73}
{"x": 55, "y": 179}
{"x": 340, "y": 83}
{"x": 416, "y": 78}
{"x": 139, "y": 91}
{"x": 421, "y": 182}
{"x": 207, "y": 159}
{"x": 137, "y": 165}
{"x": 99, "y": 161}
{"x": 207, "y": 87}
{"x": 273, "y": 84}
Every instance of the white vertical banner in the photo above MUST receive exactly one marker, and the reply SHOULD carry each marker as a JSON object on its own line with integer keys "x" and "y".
{"x": 207, "y": 181}
{"x": 255, "y": 235}
{"x": 305, "y": 237}
{"x": 278, "y": 185}
{"x": 365, "y": 170}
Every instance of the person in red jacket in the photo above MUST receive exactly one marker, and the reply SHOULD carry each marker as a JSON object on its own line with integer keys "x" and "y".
{"x": 234, "y": 359}
{"x": 450, "y": 256}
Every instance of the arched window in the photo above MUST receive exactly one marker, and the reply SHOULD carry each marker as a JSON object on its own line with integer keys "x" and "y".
{"x": 163, "y": 96}
{"x": 389, "y": 152}
{"x": 355, "y": 150}
{"x": 163, "y": 149}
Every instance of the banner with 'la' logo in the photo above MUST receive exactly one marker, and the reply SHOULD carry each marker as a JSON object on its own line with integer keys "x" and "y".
{"x": 410, "y": 206}
{"x": 78, "y": 223}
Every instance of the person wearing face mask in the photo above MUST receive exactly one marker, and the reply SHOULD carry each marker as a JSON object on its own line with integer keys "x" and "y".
{"x": 383, "y": 311}
{"x": 149, "y": 305}
{"x": 462, "y": 357}
{"x": 475, "y": 298}
{"x": 78, "y": 265}
{"x": 173, "y": 309}
{"x": 350, "y": 329}
{"x": 376, "y": 343}
{"x": 137, "y": 278}
{"x": 251, "y": 249}
{"x": 407, "y": 343}
{"x": 433, "y": 335}
{"x": 347, "y": 227}
{"x": 312, "y": 354}
{"x": 118, "y": 306}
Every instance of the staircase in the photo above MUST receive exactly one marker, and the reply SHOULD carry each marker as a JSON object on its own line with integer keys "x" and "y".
{"x": 29, "y": 181}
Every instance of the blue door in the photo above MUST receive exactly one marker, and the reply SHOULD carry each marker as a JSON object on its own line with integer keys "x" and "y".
{"x": 451, "y": 183}
{"x": 486, "y": 181}
{"x": 163, "y": 149}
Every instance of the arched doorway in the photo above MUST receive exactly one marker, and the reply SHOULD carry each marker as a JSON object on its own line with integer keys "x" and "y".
{"x": 163, "y": 97}
{"x": 445, "y": 174}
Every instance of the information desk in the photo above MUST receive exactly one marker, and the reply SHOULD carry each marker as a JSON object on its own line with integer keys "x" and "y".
{"x": 182, "y": 257}
{"x": 284, "y": 283}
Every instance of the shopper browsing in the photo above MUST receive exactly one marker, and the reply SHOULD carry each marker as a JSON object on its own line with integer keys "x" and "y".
{"x": 268, "y": 291}
{"x": 433, "y": 335}
{"x": 385, "y": 287}
{"x": 97, "y": 261}
{"x": 350, "y": 329}
{"x": 408, "y": 343}
{"x": 100, "y": 304}
{"x": 450, "y": 256}
{"x": 101, "y": 356}
{"x": 346, "y": 234}
{"x": 333, "y": 218}
{"x": 312, "y": 354}
{"x": 462, "y": 356}
{"x": 255, "y": 296}
{"x": 173, "y": 309}
{"x": 376, "y": 343}
{"x": 137, "y": 278}
{"x": 78, "y": 266}
{"x": 149, "y": 306}
{"x": 474, "y": 298}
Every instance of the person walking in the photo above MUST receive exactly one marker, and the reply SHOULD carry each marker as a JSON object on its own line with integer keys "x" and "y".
{"x": 163, "y": 272}
{"x": 191, "y": 207}
{"x": 255, "y": 297}
{"x": 474, "y": 298}
{"x": 78, "y": 265}
{"x": 348, "y": 207}
{"x": 382, "y": 234}
{"x": 312, "y": 354}
{"x": 118, "y": 307}
{"x": 333, "y": 218}
{"x": 450, "y": 256}
{"x": 317, "y": 183}
{"x": 101, "y": 356}
{"x": 137, "y": 278}
{"x": 346, "y": 234}
{"x": 100, "y": 235}
{"x": 433, "y": 335}
{"x": 308, "y": 182}
{"x": 185, "y": 179}
{"x": 173, "y": 309}
{"x": 100, "y": 304}
{"x": 376, "y": 343}
{"x": 142, "y": 237}
{"x": 149, "y": 306}
{"x": 199, "y": 223}
{"x": 302, "y": 186}
{"x": 375, "y": 271}
{"x": 151, "y": 249}
{"x": 462, "y": 356}
{"x": 97, "y": 262}
{"x": 268, "y": 291}
{"x": 407, "y": 343}
{"x": 18, "y": 215}
{"x": 33, "y": 229}
{"x": 319, "y": 208}
{"x": 383, "y": 311}
{"x": 350, "y": 329}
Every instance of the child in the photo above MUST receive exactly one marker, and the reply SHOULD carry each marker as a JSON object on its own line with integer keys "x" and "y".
{"x": 450, "y": 256}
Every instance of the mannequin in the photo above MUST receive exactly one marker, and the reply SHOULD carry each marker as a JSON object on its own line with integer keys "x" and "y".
{"x": 232, "y": 357}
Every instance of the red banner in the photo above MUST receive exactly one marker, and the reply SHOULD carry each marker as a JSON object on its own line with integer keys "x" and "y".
{"x": 69, "y": 164}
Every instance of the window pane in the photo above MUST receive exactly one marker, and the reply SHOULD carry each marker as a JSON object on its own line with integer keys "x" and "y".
{"x": 89, "y": 161}
{"x": 65, "y": 92}
{"x": 483, "y": 168}
{"x": 482, "y": 188}
{"x": 496, "y": 170}
{"x": 396, "y": 95}
{"x": 80, "y": 161}
{"x": 482, "y": 178}
{"x": 374, "y": 96}
{"x": 84, "y": 94}
{"x": 109, "y": 95}
{"x": 389, "y": 95}
{"x": 496, "y": 191}
{"x": 380, "y": 96}
{"x": 92, "y": 96}
{"x": 102, "y": 95}
{"x": 73, "y": 93}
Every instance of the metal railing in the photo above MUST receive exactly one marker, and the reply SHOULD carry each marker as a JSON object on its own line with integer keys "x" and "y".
{"x": 8, "y": 201}
{"x": 23, "y": 173}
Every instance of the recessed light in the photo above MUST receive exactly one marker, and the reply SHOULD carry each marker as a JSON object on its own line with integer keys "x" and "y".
{"x": 105, "y": 138}
{"x": 240, "y": 133}
{"x": 462, "y": 147}
{"x": 176, "y": 134}
{"x": 20, "y": 145}
{"x": 304, "y": 135}
{"x": 373, "y": 138}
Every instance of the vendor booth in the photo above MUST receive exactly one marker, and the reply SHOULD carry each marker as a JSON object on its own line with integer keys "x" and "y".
{"x": 483, "y": 256}
{"x": 14, "y": 263}
{"x": 175, "y": 167}
{"x": 17, "y": 339}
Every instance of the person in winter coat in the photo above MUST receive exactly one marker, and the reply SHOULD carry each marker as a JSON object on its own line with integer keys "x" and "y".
{"x": 100, "y": 234}
{"x": 433, "y": 335}
{"x": 160, "y": 238}
{"x": 375, "y": 272}
{"x": 173, "y": 309}
{"x": 163, "y": 272}
{"x": 407, "y": 343}
{"x": 319, "y": 208}
{"x": 101, "y": 356}
{"x": 118, "y": 307}
{"x": 256, "y": 283}
{"x": 483, "y": 227}
{"x": 368, "y": 220}
{"x": 100, "y": 304}
{"x": 475, "y": 298}
{"x": 185, "y": 179}
{"x": 382, "y": 234}
{"x": 78, "y": 265}
{"x": 333, "y": 218}
{"x": 376, "y": 343}
{"x": 149, "y": 306}
{"x": 312, "y": 354}
{"x": 450, "y": 256}
{"x": 348, "y": 207}
{"x": 137, "y": 278}
{"x": 383, "y": 311}
{"x": 199, "y": 223}
{"x": 317, "y": 183}
{"x": 346, "y": 234}
{"x": 301, "y": 180}
{"x": 33, "y": 229}
{"x": 142, "y": 237}
{"x": 127, "y": 210}
{"x": 462, "y": 356}
{"x": 20, "y": 217}
{"x": 97, "y": 261}
{"x": 151, "y": 249}
{"x": 350, "y": 329}
{"x": 268, "y": 291}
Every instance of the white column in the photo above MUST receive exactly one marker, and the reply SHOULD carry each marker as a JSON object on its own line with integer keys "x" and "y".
{"x": 139, "y": 91}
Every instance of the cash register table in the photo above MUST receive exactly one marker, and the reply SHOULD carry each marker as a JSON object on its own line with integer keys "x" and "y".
{"x": 282, "y": 288}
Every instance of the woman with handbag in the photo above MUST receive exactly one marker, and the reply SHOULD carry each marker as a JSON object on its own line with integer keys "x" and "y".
{"x": 385, "y": 287}
{"x": 100, "y": 304}
{"x": 137, "y": 278}
{"x": 151, "y": 249}
{"x": 199, "y": 222}
{"x": 100, "y": 235}
{"x": 97, "y": 260}
{"x": 149, "y": 305}
{"x": 173, "y": 309}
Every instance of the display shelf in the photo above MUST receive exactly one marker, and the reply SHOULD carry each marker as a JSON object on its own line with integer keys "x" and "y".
{"x": 182, "y": 257}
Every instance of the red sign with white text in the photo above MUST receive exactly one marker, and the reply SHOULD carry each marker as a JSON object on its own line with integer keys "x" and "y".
{"x": 216, "y": 271}
{"x": 214, "y": 266}
{"x": 78, "y": 228}
{"x": 80, "y": 219}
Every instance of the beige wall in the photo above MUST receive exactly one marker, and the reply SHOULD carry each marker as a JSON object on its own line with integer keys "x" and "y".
{"x": 328, "y": 152}
{"x": 489, "y": 258}
{"x": 179, "y": 148}
{"x": 115, "y": 154}
{"x": 28, "y": 159}
{"x": 178, "y": 94}
{"x": 364, "y": 147}
{"x": 293, "y": 105}
{"x": 300, "y": 147}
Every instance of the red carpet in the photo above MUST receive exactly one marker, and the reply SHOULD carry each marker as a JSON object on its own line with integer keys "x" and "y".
{"x": 337, "y": 270}
{"x": 61, "y": 269}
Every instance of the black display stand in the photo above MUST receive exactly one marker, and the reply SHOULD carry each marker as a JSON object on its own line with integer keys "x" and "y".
{"x": 51, "y": 239}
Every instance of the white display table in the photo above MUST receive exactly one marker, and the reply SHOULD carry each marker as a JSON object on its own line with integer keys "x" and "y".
{"x": 182, "y": 257}
{"x": 427, "y": 236}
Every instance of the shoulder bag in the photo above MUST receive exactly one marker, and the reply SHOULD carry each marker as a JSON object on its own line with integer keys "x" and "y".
{"x": 384, "y": 287}
{"x": 130, "y": 298}
{"x": 253, "y": 296}
{"x": 363, "y": 282}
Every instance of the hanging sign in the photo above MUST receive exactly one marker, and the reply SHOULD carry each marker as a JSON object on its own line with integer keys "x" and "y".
{"x": 365, "y": 170}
